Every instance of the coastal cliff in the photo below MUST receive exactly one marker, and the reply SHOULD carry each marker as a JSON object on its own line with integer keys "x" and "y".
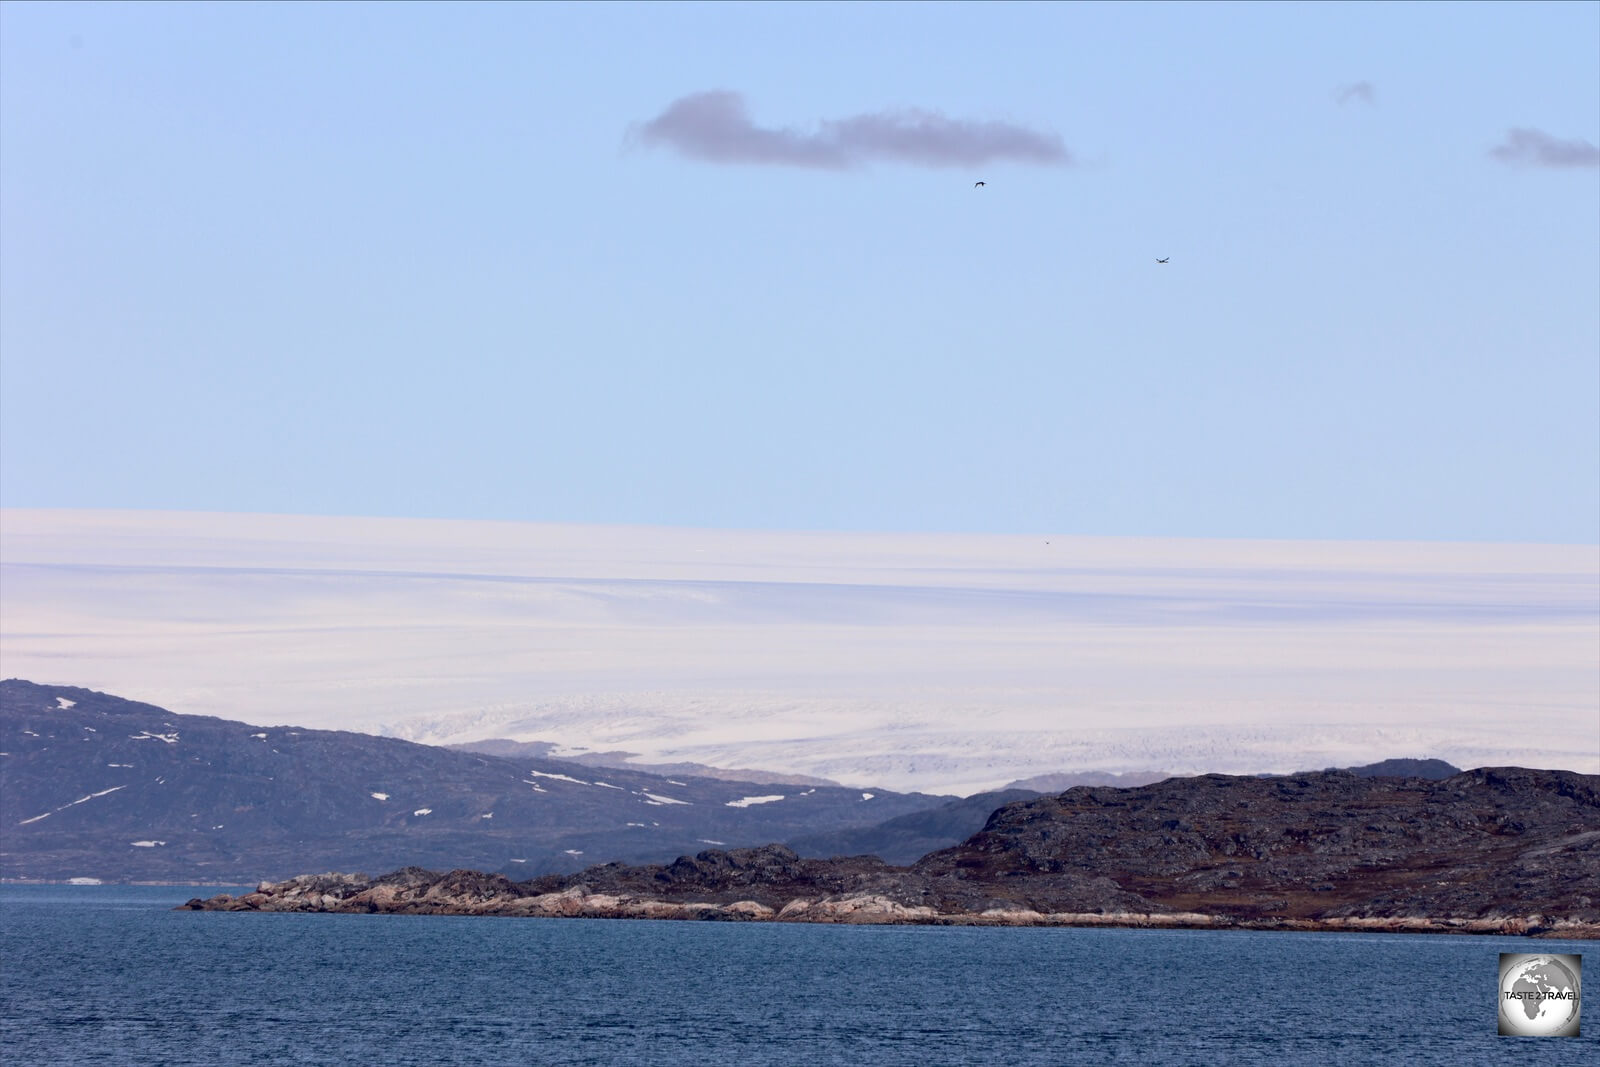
{"x": 1494, "y": 850}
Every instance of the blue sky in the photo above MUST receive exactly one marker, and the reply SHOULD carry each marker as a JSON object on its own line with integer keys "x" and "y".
{"x": 419, "y": 261}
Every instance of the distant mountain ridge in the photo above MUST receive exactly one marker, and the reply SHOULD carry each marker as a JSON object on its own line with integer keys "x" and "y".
{"x": 1061, "y": 781}
{"x": 100, "y": 787}
{"x": 1430, "y": 769}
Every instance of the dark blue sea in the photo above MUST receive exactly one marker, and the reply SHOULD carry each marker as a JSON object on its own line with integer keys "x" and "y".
{"x": 110, "y": 975}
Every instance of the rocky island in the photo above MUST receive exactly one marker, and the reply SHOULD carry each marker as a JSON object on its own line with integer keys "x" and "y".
{"x": 1502, "y": 850}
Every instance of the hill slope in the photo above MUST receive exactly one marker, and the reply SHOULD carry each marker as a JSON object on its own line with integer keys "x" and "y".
{"x": 101, "y": 787}
{"x": 907, "y": 838}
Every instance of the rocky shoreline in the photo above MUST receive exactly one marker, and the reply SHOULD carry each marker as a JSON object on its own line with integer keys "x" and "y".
{"x": 1496, "y": 850}
{"x": 417, "y": 892}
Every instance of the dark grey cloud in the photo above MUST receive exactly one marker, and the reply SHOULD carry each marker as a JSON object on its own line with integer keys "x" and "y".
{"x": 1365, "y": 92}
{"x": 714, "y": 126}
{"x": 1535, "y": 148}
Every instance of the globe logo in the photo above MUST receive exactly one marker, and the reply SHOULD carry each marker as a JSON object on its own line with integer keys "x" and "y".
{"x": 1540, "y": 996}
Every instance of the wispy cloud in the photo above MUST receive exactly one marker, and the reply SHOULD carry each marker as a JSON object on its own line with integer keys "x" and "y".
{"x": 715, "y": 127}
{"x": 1362, "y": 91}
{"x": 1535, "y": 148}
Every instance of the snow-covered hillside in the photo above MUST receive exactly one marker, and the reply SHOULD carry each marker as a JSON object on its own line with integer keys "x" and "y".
{"x": 918, "y": 661}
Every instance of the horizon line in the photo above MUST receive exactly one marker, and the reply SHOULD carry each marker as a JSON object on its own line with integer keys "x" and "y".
{"x": 841, "y": 531}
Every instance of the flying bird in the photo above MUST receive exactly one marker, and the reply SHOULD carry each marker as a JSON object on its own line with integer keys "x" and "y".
{"x": 1163, "y": 260}
{"x": 977, "y": 185}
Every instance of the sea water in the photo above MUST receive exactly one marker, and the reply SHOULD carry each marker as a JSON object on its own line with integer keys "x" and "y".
{"x": 111, "y": 975}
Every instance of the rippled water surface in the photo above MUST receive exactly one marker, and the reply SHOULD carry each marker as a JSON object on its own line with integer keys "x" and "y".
{"x": 108, "y": 974}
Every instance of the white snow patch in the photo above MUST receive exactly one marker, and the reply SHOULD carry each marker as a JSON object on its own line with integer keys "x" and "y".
{"x": 808, "y": 792}
{"x": 146, "y": 735}
{"x": 84, "y": 881}
{"x": 91, "y": 729}
{"x": 537, "y": 788}
{"x": 30, "y": 733}
{"x": 574, "y": 852}
{"x": 119, "y": 765}
{"x": 423, "y": 811}
{"x": 660, "y": 800}
{"x": 261, "y": 736}
{"x": 519, "y": 861}
{"x": 146, "y": 844}
{"x": 868, "y": 796}
{"x": 217, "y": 827}
{"x": 745, "y": 802}
{"x": 62, "y": 703}
{"x": 36, "y": 818}
{"x": 607, "y": 785}
{"x": 379, "y": 796}
{"x": 638, "y": 824}
{"x": 708, "y": 841}
{"x": 558, "y": 777}
{"x": 487, "y": 815}
{"x": 91, "y": 796}
{"x": 674, "y": 781}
